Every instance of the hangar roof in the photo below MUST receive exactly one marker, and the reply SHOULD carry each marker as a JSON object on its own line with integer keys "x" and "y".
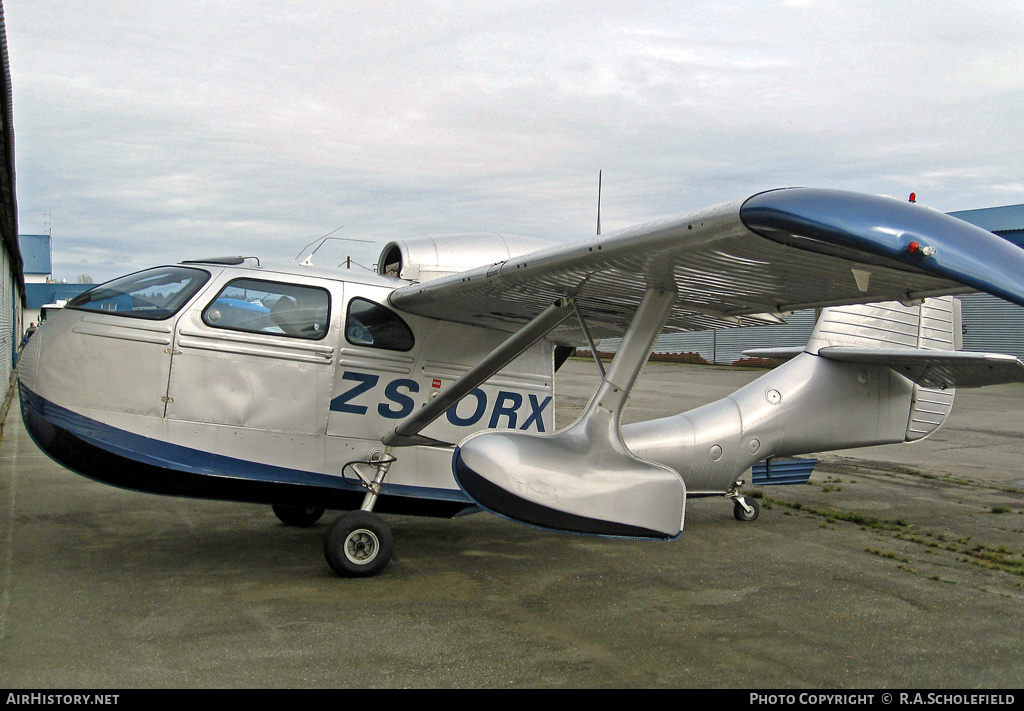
{"x": 1006, "y": 221}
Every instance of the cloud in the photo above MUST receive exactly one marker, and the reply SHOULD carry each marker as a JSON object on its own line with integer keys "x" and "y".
{"x": 156, "y": 132}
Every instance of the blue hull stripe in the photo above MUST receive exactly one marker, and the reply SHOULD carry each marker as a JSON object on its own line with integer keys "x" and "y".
{"x": 177, "y": 458}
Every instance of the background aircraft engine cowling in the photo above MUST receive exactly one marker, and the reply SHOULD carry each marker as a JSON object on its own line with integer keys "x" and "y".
{"x": 426, "y": 258}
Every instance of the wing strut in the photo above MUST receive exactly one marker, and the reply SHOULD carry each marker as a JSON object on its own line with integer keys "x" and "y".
{"x": 407, "y": 431}
{"x": 583, "y": 478}
{"x": 590, "y": 339}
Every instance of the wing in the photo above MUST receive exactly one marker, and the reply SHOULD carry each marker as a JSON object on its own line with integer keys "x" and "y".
{"x": 736, "y": 264}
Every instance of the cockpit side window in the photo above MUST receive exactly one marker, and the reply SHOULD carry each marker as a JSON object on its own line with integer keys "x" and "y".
{"x": 275, "y": 308}
{"x": 374, "y": 326}
{"x": 151, "y": 294}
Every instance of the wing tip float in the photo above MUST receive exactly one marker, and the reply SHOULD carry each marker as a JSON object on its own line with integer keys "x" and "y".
{"x": 582, "y": 479}
{"x": 620, "y": 497}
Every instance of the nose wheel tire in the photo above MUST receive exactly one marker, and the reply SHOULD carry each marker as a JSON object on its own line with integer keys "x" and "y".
{"x": 358, "y": 544}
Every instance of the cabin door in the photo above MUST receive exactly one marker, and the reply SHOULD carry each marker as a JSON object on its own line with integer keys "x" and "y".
{"x": 258, "y": 355}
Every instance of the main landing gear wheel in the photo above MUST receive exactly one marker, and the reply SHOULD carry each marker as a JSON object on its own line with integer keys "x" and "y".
{"x": 743, "y": 514}
{"x": 358, "y": 544}
{"x": 302, "y": 516}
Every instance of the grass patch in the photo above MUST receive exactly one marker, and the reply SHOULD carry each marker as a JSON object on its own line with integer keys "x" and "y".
{"x": 998, "y": 558}
{"x": 886, "y": 554}
{"x": 833, "y": 515}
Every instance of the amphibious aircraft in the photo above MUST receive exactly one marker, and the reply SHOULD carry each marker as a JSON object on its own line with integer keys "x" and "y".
{"x": 427, "y": 387}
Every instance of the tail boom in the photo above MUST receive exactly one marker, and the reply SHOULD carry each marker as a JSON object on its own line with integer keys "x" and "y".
{"x": 871, "y": 374}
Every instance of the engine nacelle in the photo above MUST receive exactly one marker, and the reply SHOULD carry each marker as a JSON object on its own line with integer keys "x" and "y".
{"x": 425, "y": 258}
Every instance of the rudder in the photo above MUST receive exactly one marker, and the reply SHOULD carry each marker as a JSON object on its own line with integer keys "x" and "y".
{"x": 934, "y": 324}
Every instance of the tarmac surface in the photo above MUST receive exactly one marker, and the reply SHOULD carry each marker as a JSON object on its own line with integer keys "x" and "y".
{"x": 896, "y": 567}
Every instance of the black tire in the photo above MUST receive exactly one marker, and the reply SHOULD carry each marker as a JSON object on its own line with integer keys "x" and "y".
{"x": 302, "y": 516}
{"x": 358, "y": 544}
{"x": 742, "y": 514}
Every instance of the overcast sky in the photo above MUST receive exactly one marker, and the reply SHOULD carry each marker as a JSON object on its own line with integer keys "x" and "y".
{"x": 150, "y": 132}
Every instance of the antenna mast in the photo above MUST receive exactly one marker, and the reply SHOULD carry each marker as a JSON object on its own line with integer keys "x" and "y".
{"x": 599, "y": 202}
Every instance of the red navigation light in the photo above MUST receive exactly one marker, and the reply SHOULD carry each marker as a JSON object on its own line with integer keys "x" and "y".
{"x": 913, "y": 197}
{"x": 913, "y": 248}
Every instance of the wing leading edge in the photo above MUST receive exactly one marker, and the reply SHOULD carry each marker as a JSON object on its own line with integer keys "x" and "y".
{"x": 736, "y": 264}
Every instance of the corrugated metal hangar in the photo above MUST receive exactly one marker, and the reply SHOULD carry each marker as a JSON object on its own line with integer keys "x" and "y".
{"x": 12, "y": 293}
{"x": 991, "y": 324}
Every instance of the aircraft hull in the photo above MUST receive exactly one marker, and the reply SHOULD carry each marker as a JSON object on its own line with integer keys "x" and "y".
{"x": 127, "y": 460}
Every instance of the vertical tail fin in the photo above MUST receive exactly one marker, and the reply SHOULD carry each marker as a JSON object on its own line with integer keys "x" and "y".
{"x": 934, "y": 324}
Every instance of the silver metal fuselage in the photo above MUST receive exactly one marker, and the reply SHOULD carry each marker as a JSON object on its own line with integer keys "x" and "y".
{"x": 207, "y": 389}
{"x": 184, "y": 397}
{"x": 431, "y": 390}
{"x": 183, "y": 406}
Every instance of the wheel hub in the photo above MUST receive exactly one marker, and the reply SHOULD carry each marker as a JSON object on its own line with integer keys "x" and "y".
{"x": 361, "y": 546}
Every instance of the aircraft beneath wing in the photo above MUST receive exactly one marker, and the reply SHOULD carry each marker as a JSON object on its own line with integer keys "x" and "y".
{"x": 427, "y": 388}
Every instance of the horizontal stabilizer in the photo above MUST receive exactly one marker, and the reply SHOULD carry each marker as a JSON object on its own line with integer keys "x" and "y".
{"x": 936, "y": 369}
{"x": 781, "y": 354}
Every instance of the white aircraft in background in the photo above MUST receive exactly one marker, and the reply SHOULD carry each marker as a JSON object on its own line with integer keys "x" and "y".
{"x": 428, "y": 388}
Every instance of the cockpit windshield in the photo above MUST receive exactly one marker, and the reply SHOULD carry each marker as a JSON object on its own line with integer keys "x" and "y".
{"x": 151, "y": 294}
